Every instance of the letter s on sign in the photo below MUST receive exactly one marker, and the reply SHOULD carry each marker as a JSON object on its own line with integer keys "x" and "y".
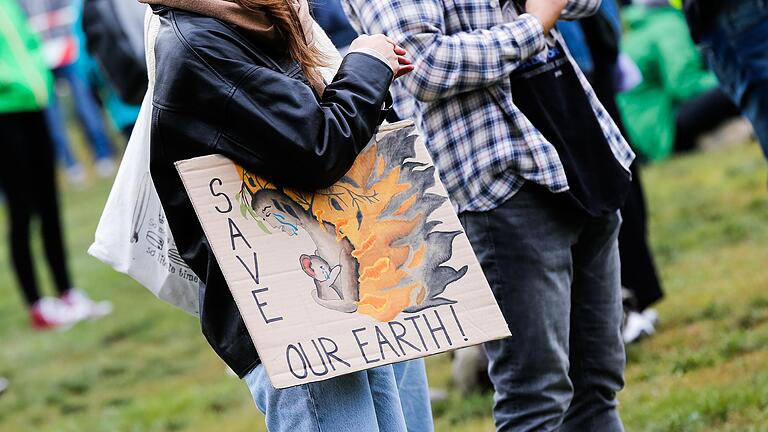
{"x": 220, "y": 194}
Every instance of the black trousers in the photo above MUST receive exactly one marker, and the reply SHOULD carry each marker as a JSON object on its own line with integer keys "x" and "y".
{"x": 638, "y": 269}
{"x": 700, "y": 115}
{"x": 27, "y": 177}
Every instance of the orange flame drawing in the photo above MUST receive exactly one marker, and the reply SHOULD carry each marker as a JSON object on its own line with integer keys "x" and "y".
{"x": 381, "y": 207}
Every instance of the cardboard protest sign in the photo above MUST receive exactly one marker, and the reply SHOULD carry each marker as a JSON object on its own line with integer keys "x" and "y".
{"x": 373, "y": 270}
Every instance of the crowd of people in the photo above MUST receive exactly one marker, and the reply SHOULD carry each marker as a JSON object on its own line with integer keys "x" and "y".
{"x": 32, "y": 131}
{"x": 537, "y": 113}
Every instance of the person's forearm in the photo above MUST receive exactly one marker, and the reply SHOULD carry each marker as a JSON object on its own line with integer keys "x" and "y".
{"x": 577, "y": 9}
{"x": 270, "y": 105}
{"x": 448, "y": 64}
{"x": 463, "y": 62}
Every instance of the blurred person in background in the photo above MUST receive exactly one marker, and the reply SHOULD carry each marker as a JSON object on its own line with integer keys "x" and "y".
{"x": 734, "y": 37}
{"x": 595, "y": 43}
{"x": 123, "y": 115}
{"x": 678, "y": 99}
{"x": 27, "y": 175}
{"x": 3, "y": 385}
{"x": 54, "y": 21}
{"x": 113, "y": 32}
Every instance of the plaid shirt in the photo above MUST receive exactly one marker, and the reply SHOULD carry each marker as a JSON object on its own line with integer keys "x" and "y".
{"x": 460, "y": 93}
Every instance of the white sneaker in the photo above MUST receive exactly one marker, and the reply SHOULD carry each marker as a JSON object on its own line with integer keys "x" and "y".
{"x": 3, "y": 385}
{"x": 636, "y": 327}
{"x": 52, "y": 313}
{"x": 652, "y": 316}
{"x": 85, "y": 308}
{"x": 437, "y": 395}
{"x": 76, "y": 175}
{"x": 105, "y": 167}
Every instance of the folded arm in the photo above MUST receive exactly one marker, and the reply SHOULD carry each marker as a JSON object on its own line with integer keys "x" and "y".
{"x": 577, "y": 9}
{"x": 278, "y": 128}
{"x": 448, "y": 64}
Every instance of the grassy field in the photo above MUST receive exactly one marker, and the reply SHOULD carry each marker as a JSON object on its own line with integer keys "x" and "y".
{"x": 147, "y": 367}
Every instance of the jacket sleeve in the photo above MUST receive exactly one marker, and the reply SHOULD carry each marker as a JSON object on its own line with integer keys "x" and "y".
{"x": 682, "y": 70}
{"x": 577, "y": 9}
{"x": 275, "y": 125}
{"x": 448, "y": 64}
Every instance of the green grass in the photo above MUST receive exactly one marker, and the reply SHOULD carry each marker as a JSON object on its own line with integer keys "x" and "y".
{"x": 147, "y": 367}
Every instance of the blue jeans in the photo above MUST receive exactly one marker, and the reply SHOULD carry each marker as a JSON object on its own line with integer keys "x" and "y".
{"x": 88, "y": 113}
{"x": 737, "y": 51}
{"x": 555, "y": 274}
{"x": 393, "y": 398}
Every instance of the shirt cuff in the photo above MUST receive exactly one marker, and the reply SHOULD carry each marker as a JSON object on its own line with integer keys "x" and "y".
{"x": 373, "y": 53}
{"x": 533, "y": 38}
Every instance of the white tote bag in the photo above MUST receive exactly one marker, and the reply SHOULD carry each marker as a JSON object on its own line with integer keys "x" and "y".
{"x": 133, "y": 235}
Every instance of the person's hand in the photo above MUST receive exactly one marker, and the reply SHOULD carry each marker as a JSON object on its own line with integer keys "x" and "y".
{"x": 547, "y": 11}
{"x": 394, "y": 54}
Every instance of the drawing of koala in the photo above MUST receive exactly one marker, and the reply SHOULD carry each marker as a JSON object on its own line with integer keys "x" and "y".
{"x": 326, "y": 293}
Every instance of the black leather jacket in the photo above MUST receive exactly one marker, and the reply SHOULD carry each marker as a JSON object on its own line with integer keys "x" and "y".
{"x": 217, "y": 91}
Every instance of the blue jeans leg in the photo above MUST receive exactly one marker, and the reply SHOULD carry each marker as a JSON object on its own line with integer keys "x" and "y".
{"x": 555, "y": 276}
{"x": 411, "y": 379}
{"x": 737, "y": 51}
{"x": 58, "y": 132}
{"x": 375, "y": 400}
{"x": 596, "y": 348}
{"x": 88, "y": 111}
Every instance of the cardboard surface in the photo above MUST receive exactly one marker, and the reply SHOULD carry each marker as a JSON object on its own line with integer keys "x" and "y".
{"x": 373, "y": 270}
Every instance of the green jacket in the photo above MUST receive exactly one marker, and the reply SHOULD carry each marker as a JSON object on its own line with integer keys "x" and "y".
{"x": 673, "y": 70}
{"x": 25, "y": 81}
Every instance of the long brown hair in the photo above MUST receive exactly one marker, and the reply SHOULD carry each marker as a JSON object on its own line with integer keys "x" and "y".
{"x": 285, "y": 17}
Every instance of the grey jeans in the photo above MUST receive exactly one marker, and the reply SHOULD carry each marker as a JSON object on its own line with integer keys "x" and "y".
{"x": 555, "y": 274}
